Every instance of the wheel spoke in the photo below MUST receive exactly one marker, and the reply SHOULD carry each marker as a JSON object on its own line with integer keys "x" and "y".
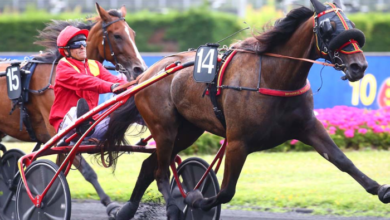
{"x": 210, "y": 214}
{"x": 185, "y": 211}
{"x": 4, "y": 171}
{"x": 28, "y": 213}
{"x": 202, "y": 187}
{"x": 52, "y": 217}
{"x": 33, "y": 189}
{"x": 189, "y": 178}
{"x": 8, "y": 201}
{"x": 14, "y": 163}
{"x": 43, "y": 172}
{"x": 55, "y": 195}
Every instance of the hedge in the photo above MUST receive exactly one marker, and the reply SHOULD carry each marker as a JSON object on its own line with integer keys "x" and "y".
{"x": 376, "y": 27}
{"x": 176, "y": 31}
{"x": 154, "y": 32}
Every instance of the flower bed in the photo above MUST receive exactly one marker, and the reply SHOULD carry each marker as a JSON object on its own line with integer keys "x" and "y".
{"x": 349, "y": 127}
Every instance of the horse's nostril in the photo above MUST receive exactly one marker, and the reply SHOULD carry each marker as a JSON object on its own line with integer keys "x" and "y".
{"x": 355, "y": 67}
{"x": 138, "y": 70}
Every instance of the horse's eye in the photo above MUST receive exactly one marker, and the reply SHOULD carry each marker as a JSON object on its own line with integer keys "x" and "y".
{"x": 117, "y": 37}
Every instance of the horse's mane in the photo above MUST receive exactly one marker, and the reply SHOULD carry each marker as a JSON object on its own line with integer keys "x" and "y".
{"x": 278, "y": 34}
{"x": 48, "y": 36}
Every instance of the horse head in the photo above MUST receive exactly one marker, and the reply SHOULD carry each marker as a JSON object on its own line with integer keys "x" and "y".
{"x": 338, "y": 40}
{"x": 115, "y": 41}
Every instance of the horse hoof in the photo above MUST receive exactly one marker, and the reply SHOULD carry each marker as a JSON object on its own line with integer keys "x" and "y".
{"x": 193, "y": 199}
{"x": 112, "y": 210}
{"x": 116, "y": 212}
{"x": 384, "y": 193}
{"x": 173, "y": 212}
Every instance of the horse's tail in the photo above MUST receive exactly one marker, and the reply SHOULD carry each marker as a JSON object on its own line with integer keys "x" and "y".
{"x": 120, "y": 121}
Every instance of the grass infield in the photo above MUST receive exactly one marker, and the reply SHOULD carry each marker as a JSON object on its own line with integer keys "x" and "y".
{"x": 269, "y": 181}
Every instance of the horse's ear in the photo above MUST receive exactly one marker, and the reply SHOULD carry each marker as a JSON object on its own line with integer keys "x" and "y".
{"x": 102, "y": 13}
{"x": 318, "y": 6}
{"x": 123, "y": 11}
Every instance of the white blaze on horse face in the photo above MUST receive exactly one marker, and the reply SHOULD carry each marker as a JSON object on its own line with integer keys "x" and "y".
{"x": 127, "y": 29}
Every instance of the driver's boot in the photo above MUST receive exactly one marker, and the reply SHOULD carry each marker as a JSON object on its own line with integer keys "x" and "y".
{"x": 82, "y": 108}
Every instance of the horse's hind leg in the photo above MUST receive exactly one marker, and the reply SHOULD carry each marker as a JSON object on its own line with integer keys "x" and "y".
{"x": 317, "y": 137}
{"x": 235, "y": 158}
{"x": 166, "y": 141}
{"x": 186, "y": 136}
{"x": 145, "y": 178}
{"x": 90, "y": 175}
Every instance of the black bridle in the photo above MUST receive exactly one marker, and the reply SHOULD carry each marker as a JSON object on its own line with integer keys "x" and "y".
{"x": 118, "y": 66}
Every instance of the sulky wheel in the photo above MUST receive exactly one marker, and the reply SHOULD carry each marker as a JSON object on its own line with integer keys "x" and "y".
{"x": 57, "y": 202}
{"x": 8, "y": 169}
{"x": 190, "y": 172}
{"x": 2, "y": 150}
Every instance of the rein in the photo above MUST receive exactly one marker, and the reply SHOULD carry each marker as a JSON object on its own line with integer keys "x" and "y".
{"x": 261, "y": 90}
{"x": 288, "y": 57}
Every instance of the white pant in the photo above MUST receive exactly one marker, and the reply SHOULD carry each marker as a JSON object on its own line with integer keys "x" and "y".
{"x": 71, "y": 117}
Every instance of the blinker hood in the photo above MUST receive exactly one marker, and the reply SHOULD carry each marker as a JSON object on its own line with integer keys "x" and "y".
{"x": 335, "y": 32}
{"x": 345, "y": 36}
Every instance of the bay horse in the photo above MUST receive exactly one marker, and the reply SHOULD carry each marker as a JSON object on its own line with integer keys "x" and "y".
{"x": 176, "y": 114}
{"x": 110, "y": 38}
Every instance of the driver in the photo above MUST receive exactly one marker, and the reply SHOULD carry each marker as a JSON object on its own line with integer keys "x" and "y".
{"x": 78, "y": 83}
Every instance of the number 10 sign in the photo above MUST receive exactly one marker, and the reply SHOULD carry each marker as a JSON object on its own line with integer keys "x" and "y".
{"x": 205, "y": 64}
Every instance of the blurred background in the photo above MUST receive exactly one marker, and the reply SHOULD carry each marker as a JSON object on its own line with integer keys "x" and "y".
{"x": 232, "y": 6}
{"x": 165, "y": 27}
{"x": 356, "y": 115}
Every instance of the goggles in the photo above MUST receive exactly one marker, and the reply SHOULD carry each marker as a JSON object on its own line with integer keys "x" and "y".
{"x": 77, "y": 44}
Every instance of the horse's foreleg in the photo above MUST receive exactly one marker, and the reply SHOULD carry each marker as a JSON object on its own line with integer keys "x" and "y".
{"x": 235, "y": 158}
{"x": 317, "y": 137}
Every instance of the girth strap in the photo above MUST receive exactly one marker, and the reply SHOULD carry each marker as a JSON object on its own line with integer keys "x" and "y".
{"x": 213, "y": 97}
{"x": 213, "y": 90}
{"x": 25, "y": 119}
